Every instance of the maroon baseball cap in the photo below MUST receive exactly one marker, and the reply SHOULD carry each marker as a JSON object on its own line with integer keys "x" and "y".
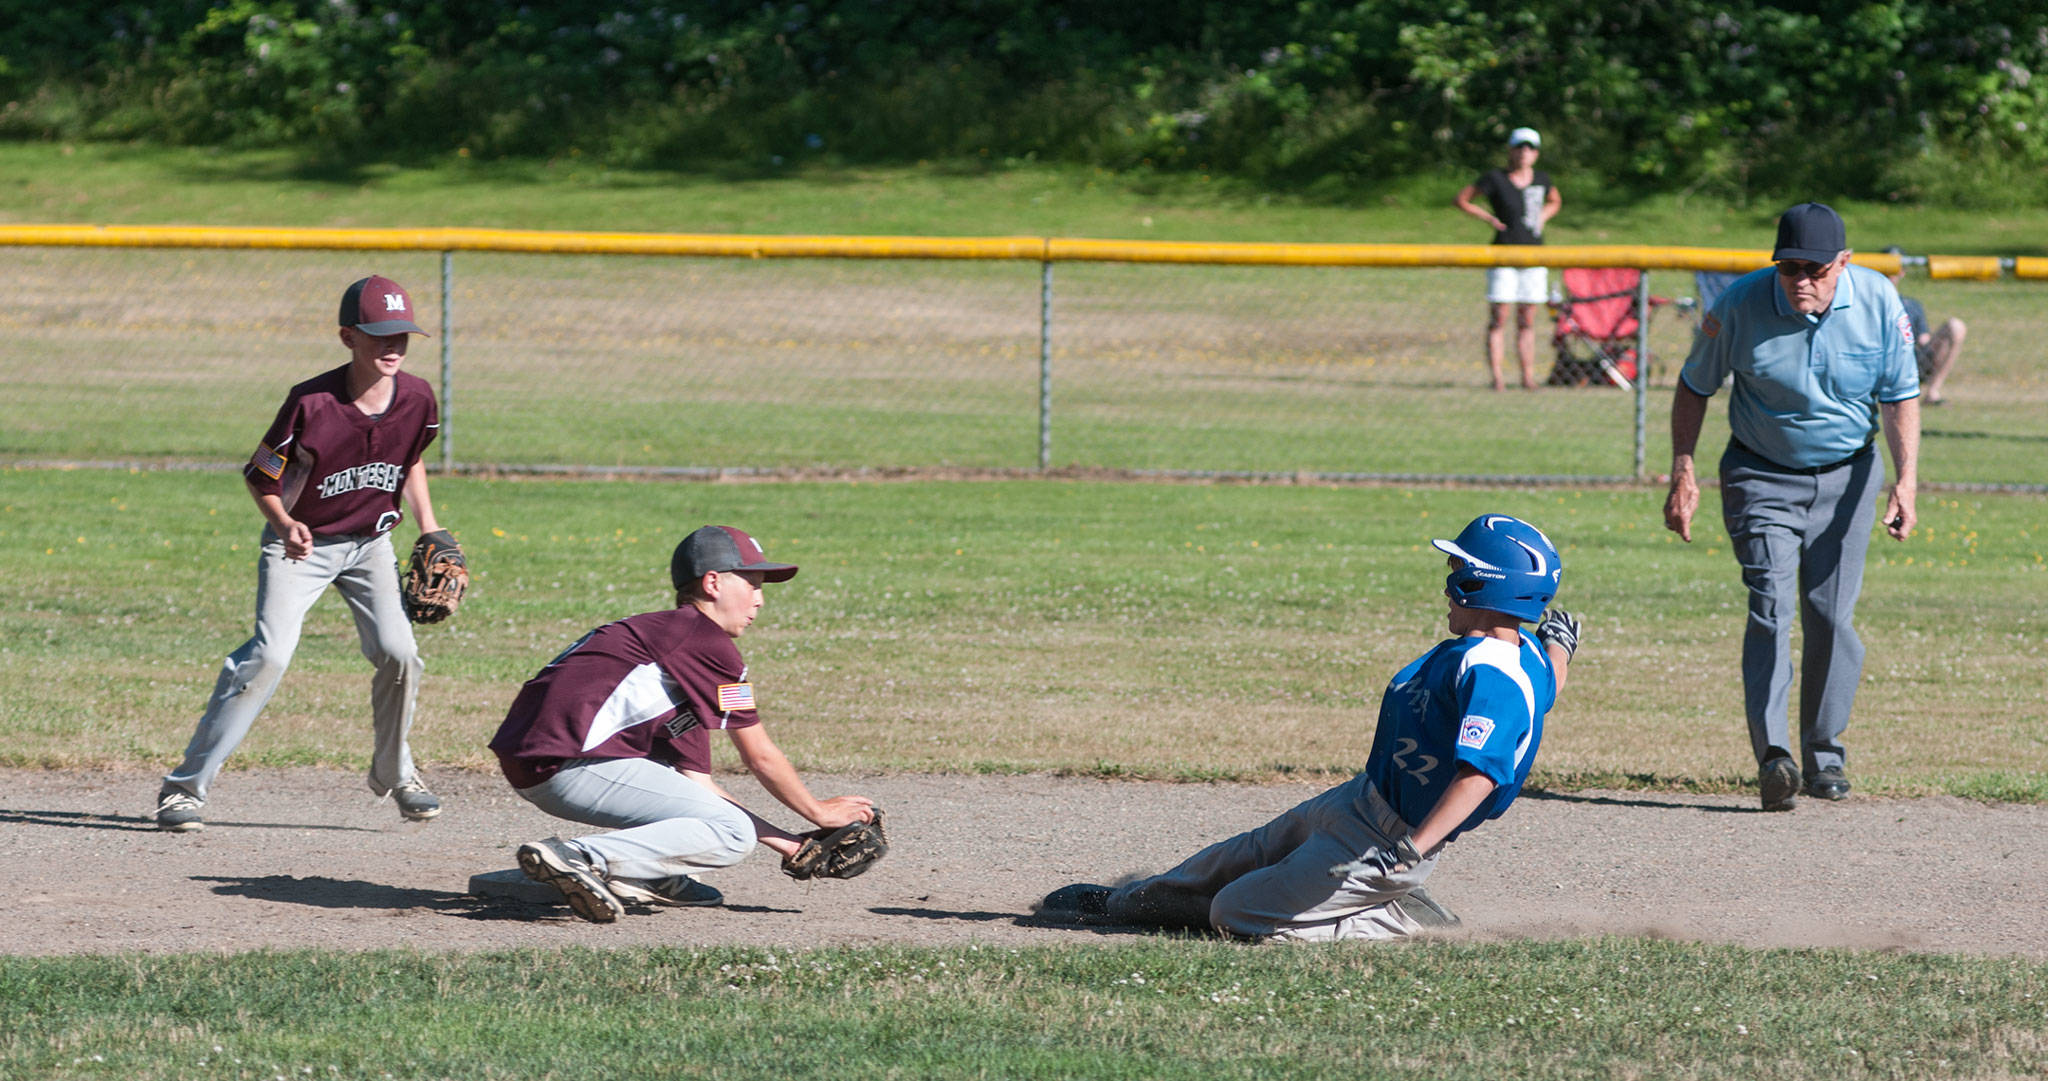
{"x": 722, "y": 548}
{"x": 377, "y": 305}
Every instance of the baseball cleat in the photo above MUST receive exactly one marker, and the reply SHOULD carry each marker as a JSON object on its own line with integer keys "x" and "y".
{"x": 415, "y": 803}
{"x": 1778, "y": 784}
{"x": 1084, "y": 898}
{"x": 1828, "y": 783}
{"x": 675, "y": 890}
{"x": 561, "y": 864}
{"x": 177, "y": 811}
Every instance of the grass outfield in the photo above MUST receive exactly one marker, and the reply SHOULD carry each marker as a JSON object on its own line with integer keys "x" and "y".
{"x": 1114, "y": 629}
{"x": 1165, "y": 1008}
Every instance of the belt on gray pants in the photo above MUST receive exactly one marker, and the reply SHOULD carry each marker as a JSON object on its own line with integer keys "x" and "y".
{"x": 1802, "y": 470}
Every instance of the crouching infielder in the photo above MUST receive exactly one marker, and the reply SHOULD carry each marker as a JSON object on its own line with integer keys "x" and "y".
{"x": 1458, "y": 731}
{"x": 616, "y": 732}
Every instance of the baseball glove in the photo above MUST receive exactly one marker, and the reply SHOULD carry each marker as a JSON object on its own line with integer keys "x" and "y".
{"x": 838, "y": 853}
{"x": 435, "y": 578}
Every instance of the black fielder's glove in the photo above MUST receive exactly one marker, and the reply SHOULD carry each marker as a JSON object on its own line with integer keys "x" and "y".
{"x": 1561, "y": 627}
{"x": 435, "y": 578}
{"x": 844, "y": 852}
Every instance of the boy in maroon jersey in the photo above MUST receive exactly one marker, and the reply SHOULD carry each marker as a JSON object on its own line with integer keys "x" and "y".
{"x": 616, "y": 732}
{"x": 327, "y": 478}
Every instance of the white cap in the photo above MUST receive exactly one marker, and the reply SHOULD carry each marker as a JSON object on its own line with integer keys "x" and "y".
{"x": 1525, "y": 135}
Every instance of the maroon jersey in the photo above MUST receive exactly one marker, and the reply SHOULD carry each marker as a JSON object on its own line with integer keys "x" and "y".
{"x": 650, "y": 686}
{"x": 338, "y": 469}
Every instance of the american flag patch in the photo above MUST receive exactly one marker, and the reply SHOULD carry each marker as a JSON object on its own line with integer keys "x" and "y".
{"x": 732, "y": 696}
{"x": 268, "y": 462}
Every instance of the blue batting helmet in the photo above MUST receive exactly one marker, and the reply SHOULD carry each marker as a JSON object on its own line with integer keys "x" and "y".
{"x": 1509, "y": 567}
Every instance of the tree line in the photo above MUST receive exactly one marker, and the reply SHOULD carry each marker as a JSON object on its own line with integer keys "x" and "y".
{"x": 1902, "y": 99}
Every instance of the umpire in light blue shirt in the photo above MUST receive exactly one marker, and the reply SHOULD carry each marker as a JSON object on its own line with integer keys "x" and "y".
{"x": 1816, "y": 351}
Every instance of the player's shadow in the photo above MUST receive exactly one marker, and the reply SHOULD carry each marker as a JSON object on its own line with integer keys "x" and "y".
{"x": 147, "y": 824}
{"x": 1674, "y": 804}
{"x": 1046, "y": 920}
{"x": 319, "y": 891}
{"x": 78, "y": 820}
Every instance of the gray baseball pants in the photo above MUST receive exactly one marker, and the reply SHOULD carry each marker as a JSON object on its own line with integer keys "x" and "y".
{"x": 1800, "y": 537}
{"x": 666, "y": 823}
{"x": 364, "y": 570}
{"x": 1274, "y": 883}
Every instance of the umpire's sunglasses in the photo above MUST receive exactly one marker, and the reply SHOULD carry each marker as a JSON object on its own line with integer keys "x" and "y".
{"x": 1796, "y": 269}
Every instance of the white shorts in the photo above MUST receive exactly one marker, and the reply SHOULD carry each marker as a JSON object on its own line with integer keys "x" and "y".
{"x": 1517, "y": 285}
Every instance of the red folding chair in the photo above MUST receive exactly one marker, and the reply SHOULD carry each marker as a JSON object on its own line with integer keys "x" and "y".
{"x": 1597, "y": 322}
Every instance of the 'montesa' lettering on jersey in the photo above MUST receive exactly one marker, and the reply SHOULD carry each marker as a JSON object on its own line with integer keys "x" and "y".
{"x": 732, "y": 696}
{"x": 267, "y": 461}
{"x": 383, "y": 476}
{"x": 643, "y": 695}
{"x": 1473, "y": 732}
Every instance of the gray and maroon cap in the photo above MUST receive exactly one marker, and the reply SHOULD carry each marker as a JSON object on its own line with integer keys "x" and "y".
{"x": 722, "y": 548}
{"x": 377, "y": 305}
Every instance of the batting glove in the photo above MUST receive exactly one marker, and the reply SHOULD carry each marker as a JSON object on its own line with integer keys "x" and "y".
{"x": 1561, "y": 627}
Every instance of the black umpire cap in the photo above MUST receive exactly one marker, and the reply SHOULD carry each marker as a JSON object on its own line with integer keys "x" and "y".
{"x": 1811, "y": 231}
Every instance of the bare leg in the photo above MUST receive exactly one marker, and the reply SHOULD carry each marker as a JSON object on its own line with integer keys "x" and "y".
{"x": 1496, "y": 341}
{"x": 1525, "y": 344}
{"x": 1944, "y": 346}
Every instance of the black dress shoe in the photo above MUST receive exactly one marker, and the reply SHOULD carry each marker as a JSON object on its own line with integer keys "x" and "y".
{"x": 1778, "y": 782}
{"x": 1828, "y": 783}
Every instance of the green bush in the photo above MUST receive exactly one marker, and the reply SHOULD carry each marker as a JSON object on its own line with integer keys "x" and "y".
{"x": 1872, "y": 98}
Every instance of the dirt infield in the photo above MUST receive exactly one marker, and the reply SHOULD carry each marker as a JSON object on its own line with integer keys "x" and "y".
{"x": 306, "y": 858}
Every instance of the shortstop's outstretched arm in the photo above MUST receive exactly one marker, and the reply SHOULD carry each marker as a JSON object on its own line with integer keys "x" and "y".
{"x": 772, "y": 768}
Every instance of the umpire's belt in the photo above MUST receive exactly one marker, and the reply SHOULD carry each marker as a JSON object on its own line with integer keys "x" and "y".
{"x": 1802, "y": 470}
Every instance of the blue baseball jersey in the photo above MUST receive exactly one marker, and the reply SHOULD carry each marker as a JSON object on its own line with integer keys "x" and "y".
{"x": 1475, "y": 701}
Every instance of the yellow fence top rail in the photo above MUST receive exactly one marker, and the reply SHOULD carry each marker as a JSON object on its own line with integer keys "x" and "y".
{"x": 1051, "y": 249}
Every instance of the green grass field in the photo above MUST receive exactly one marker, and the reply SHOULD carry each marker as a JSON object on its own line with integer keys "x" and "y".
{"x": 1167, "y": 1008}
{"x": 1233, "y": 631}
{"x": 993, "y": 625}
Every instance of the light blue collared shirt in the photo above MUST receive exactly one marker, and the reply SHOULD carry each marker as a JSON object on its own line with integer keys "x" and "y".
{"x": 1804, "y": 384}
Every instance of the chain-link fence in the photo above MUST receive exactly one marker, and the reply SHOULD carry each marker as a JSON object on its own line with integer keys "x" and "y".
{"x": 667, "y": 363}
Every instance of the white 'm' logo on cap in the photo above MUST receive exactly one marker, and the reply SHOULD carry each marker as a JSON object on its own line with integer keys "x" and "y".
{"x": 394, "y": 302}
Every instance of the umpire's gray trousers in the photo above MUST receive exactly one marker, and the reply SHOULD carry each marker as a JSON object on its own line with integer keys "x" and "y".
{"x": 1274, "y": 882}
{"x": 1800, "y": 537}
{"x": 365, "y": 571}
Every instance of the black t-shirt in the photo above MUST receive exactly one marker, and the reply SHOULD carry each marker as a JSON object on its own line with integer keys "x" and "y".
{"x": 1520, "y": 208}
